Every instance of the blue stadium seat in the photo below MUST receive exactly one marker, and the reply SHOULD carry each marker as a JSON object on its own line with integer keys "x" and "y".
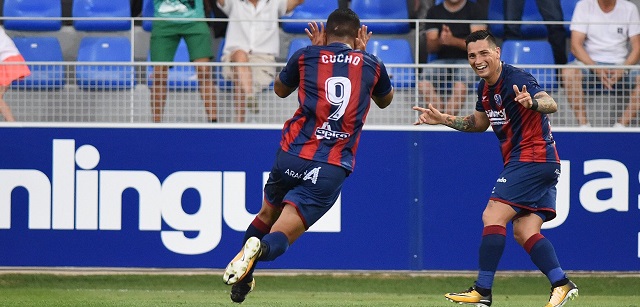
{"x": 317, "y": 10}
{"x": 104, "y": 49}
{"x": 568, "y": 6}
{"x": 395, "y": 51}
{"x": 496, "y": 13}
{"x": 147, "y": 11}
{"x": 41, "y": 49}
{"x": 296, "y": 44}
{"x": 383, "y": 9}
{"x": 101, "y": 9}
{"x": 530, "y": 13}
{"x": 532, "y": 52}
{"x": 179, "y": 77}
{"x": 32, "y": 8}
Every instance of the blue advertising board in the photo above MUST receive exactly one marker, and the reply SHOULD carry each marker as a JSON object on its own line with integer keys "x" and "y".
{"x": 181, "y": 197}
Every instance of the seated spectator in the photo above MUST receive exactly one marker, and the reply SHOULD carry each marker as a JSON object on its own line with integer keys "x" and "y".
{"x": 252, "y": 37}
{"x": 447, "y": 41}
{"x": 601, "y": 30}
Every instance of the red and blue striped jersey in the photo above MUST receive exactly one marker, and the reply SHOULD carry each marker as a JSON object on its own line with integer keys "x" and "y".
{"x": 524, "y": 134}
{"x": 335, "y": 84}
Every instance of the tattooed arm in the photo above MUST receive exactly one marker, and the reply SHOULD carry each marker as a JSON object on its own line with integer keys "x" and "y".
{"x": 476, "y": 122}
{"x": 546, "y": 103}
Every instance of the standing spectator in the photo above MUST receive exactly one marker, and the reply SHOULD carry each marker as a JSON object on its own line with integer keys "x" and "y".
{"x": 446, "y": 40}
{"x": 550, "y": 11}
{"x": 513, "y": 104}
{"x": 252, "y": 37}
{"x": 336, "y": 80}
{"x": 601, "y": 31}
{"x": 165, "y": 37}
{"x": 8, "y": 73}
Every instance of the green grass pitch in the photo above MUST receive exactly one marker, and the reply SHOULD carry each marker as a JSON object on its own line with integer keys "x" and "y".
{"x": 317, "y": 289}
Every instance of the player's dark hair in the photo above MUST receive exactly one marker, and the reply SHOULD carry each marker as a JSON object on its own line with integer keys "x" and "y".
{"x": 343, "y": 23}
{"x": 481, "y": 35}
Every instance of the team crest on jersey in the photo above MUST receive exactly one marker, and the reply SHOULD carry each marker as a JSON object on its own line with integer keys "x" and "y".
{"x": 498, "y": 100}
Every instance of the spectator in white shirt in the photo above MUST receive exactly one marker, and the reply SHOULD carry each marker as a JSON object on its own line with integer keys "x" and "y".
{"x": 604, "y": 32}
{"x": 252, "y": 37}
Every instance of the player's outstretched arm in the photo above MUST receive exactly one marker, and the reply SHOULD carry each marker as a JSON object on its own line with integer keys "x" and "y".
{"x": 476, "y": 122}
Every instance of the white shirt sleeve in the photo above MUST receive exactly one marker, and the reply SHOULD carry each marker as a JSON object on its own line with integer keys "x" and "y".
{"x": 226, "y": 8}
{"x": 580, "y": 17}
{"x": 634, "y": 27}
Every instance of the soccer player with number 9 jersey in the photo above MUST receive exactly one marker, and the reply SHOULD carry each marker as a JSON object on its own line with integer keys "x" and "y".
{"x": 336, "y": 81}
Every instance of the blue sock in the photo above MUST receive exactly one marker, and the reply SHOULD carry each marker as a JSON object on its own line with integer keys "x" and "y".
{"x": 274, "y": 245}
{"x": 544, "y": 257}
{"x": 257, "y": 229}
{"x": 491, "y": 248}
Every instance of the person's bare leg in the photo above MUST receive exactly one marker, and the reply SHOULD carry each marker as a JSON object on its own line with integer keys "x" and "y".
{"x": 243, "y": 82}
{"x": 458, "y": 94}
{"x": 207, "y": 89}
{"x": 428, "y": 91}
{"x": 5, "y": 110}
{"x": 634, "y": 105}
{"x": 572, "y": 79}
{"x": 159, "y": 92}
{"x": 289, "y": 223}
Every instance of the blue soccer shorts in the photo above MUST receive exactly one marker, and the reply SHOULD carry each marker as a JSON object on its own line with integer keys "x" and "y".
{"x": 311, "y": 187}
{"x": 529, "y": 187}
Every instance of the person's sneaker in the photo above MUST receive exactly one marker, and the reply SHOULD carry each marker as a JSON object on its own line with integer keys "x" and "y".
{"x": 240, "y": 290}
{"x": 560, "y": 295}
{"x": 469, "y": 297}
{"x": 242, "y": 263}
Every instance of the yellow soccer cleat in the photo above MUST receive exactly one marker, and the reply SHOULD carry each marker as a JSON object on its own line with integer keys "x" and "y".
{"x": 469, "y": 297}
{"x": 560, "y": 295}
{"x": 243, "y": 262}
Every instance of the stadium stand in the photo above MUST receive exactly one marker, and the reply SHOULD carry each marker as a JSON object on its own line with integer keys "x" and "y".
{"x": 32, "y": 8}
{"x": 296, "y": 44}
{"x": 383, "y": 9}
{"x": 395, "y": 51}
{"x": 532, "y": 52}
{"x": 147, "y": 12}
{"x": 104, "y": 77}
{"x": 179, "y": 77}
{"x": 567, "y": 11}
{"x": 77, "y": 90}
{"x": 43, "y": 76}
{"x": 101, "y": 9}
{"x": 316, "y": 10}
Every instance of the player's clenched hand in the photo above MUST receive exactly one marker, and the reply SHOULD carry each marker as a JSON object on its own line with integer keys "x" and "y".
{"x": 363, "y": 38}
{"x": 316, "y": 34}
{"x": 429, "y": 116}
{"x": 523, "y": 97}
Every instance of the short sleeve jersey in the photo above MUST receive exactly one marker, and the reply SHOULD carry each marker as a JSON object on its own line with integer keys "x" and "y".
{"x": 335, "y": 84}
{"x": 470, "y": 11}
{"x": 178, "y": 9}
{"x": 524, "y": 134}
